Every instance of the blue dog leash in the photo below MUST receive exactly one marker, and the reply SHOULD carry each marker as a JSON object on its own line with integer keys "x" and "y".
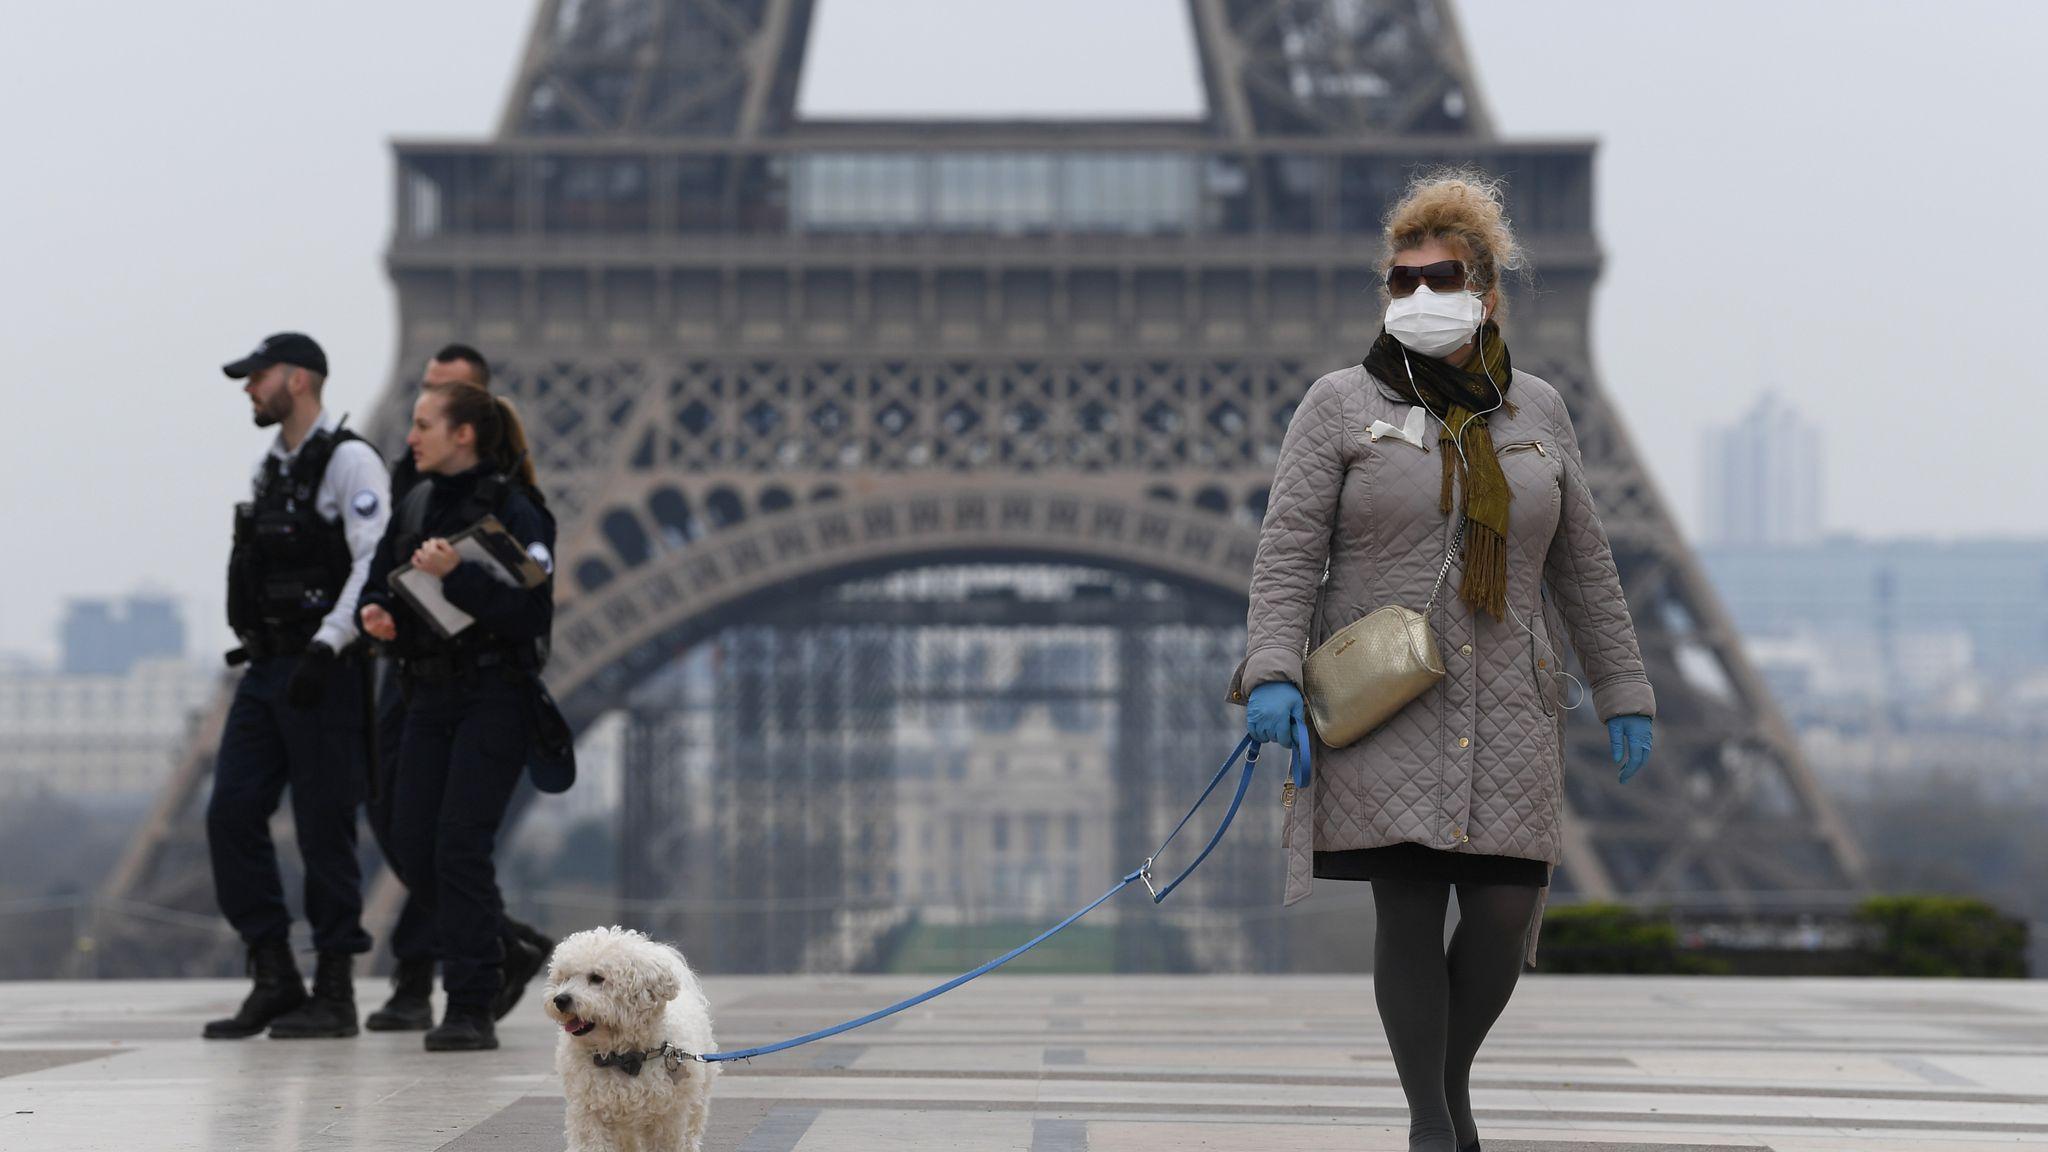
{"x": 1247, "y": 748}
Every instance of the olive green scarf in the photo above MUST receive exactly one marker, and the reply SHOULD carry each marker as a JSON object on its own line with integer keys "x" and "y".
{"x": 1456, "y": 395}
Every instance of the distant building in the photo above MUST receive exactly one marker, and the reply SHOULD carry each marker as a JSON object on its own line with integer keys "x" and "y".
{"x": 109, "y": 637}
{"x": 102, "y": 736}
{"x": 1003, "y": 829}
{"x": 1904, "y": 610}
{"x": 1763, "y": 478}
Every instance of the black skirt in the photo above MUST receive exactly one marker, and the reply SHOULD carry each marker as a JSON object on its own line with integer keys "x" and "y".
{"x": 1408, "y": 861}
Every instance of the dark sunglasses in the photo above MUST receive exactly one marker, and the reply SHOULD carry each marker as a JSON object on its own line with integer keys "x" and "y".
{"x": 1442, "y": 276}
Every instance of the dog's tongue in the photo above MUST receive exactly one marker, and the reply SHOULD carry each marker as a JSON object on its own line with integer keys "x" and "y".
{"x": 575, "y": 1025}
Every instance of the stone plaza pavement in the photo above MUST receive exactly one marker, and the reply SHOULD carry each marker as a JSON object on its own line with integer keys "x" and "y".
{"x": 1062, "y": 1064}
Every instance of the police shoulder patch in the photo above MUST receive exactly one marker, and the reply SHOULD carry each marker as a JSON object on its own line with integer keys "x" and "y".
{"x": 542, "y": 556}
{"x": 364, "y": 503}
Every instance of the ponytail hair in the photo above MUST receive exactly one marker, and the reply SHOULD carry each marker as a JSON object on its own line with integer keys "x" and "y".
{"x": 514, "y": 450}
{"x": 500, "y": 436}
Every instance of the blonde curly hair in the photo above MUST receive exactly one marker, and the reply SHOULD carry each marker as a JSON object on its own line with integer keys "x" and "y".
{"x": 1464, "y": 209}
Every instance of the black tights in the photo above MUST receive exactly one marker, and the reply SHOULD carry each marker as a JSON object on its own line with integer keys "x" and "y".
{"x": 1437, "y": 1006}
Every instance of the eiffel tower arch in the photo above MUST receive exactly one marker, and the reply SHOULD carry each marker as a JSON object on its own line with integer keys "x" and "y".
{"x": 767, "y": 362}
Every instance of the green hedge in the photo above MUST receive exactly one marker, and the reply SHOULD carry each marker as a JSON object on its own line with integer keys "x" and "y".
{"x": 934, "y": 949}
{"x": 1909, "y": 936}
{"x": 1614, "y": 938}
{"x": 1944, "y": 936}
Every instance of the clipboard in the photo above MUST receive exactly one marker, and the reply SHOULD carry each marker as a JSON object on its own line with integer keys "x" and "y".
{"x": 485, "y": 544}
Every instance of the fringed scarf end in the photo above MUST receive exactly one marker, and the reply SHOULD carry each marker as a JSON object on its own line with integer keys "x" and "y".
{"x": 1484, "y": 585}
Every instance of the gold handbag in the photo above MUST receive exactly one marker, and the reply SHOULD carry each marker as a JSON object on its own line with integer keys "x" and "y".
{"x": 1371, "y": 668}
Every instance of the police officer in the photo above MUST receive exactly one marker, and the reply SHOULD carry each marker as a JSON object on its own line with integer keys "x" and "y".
{"x": 412, "y": 939}
{"x": 469, "y": 696}
{"x": 302, "y": 552}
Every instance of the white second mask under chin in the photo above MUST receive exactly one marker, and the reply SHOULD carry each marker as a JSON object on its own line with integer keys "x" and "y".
{"x": 1434, "y": 324}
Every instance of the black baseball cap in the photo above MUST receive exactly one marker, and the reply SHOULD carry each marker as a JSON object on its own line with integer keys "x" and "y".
{"x": 294, "y": 348}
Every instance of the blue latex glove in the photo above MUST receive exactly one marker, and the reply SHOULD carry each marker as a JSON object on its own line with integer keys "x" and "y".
{"x": 1628, "y": 739}
{"x": 1276, "y": 714}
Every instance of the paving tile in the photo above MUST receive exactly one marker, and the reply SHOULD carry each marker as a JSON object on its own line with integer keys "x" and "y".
{"x": 15, "y": 1061}
{"x": 1081, "y": 1064}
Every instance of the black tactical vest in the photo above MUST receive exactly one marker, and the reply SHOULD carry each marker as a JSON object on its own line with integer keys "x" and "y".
{"x": 289, "y": 563}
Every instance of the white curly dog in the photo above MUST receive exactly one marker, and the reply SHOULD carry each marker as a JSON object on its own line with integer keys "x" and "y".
{"x": 629, "y": 1008}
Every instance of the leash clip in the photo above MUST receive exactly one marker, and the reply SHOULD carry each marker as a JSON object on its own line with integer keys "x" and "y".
{"x": 1145, "y": 874}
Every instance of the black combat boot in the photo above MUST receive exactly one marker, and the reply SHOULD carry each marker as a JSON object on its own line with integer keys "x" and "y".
{"x": 331, "y": 1013}
{"x": 278, "y": 990}
{"x": 464, "y": 1029}
{"x": 531, "y": 935}
{"x": 410, "y": 1008}
{"x": 526, "y": 953}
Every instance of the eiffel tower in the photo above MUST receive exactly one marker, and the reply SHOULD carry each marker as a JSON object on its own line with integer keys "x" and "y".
{"x": 766, "y": 360}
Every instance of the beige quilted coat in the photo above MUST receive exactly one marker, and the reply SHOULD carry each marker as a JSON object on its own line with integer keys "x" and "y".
{"x": 1475, "y": 763}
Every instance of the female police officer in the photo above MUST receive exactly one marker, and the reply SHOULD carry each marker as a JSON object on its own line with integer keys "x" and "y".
{"x": 466, "y": 726}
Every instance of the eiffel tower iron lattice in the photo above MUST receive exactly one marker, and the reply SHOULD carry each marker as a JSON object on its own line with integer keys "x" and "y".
{"x": 763, "y": 358}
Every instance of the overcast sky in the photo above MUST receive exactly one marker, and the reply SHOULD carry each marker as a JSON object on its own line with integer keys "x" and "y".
{"x": 1838, "y": 200}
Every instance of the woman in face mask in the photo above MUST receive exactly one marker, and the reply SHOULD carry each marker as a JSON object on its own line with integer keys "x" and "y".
{"x": 1436, "y": 456}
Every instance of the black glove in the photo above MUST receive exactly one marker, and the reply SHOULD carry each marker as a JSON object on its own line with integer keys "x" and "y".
{"x": 309, "y": 679}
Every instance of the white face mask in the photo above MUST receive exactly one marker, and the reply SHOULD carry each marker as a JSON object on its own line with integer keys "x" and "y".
{"x": 1434, "y": 324}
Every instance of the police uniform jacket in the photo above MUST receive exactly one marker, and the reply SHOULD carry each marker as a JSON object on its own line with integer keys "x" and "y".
{"x": 507, "y": 618}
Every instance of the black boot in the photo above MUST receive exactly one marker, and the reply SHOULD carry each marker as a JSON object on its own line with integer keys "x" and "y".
{"x": 410, "y": 1008}
{"x": 331, "y": 1013}
{"x": 464, "y": 1030}
{"x": 525, "y": 956}
{"x": 279, "y": 989}
{"x": 531, "y": 935}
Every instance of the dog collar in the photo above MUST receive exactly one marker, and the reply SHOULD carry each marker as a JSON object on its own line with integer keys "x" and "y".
{"x": 630, "y": 1063}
